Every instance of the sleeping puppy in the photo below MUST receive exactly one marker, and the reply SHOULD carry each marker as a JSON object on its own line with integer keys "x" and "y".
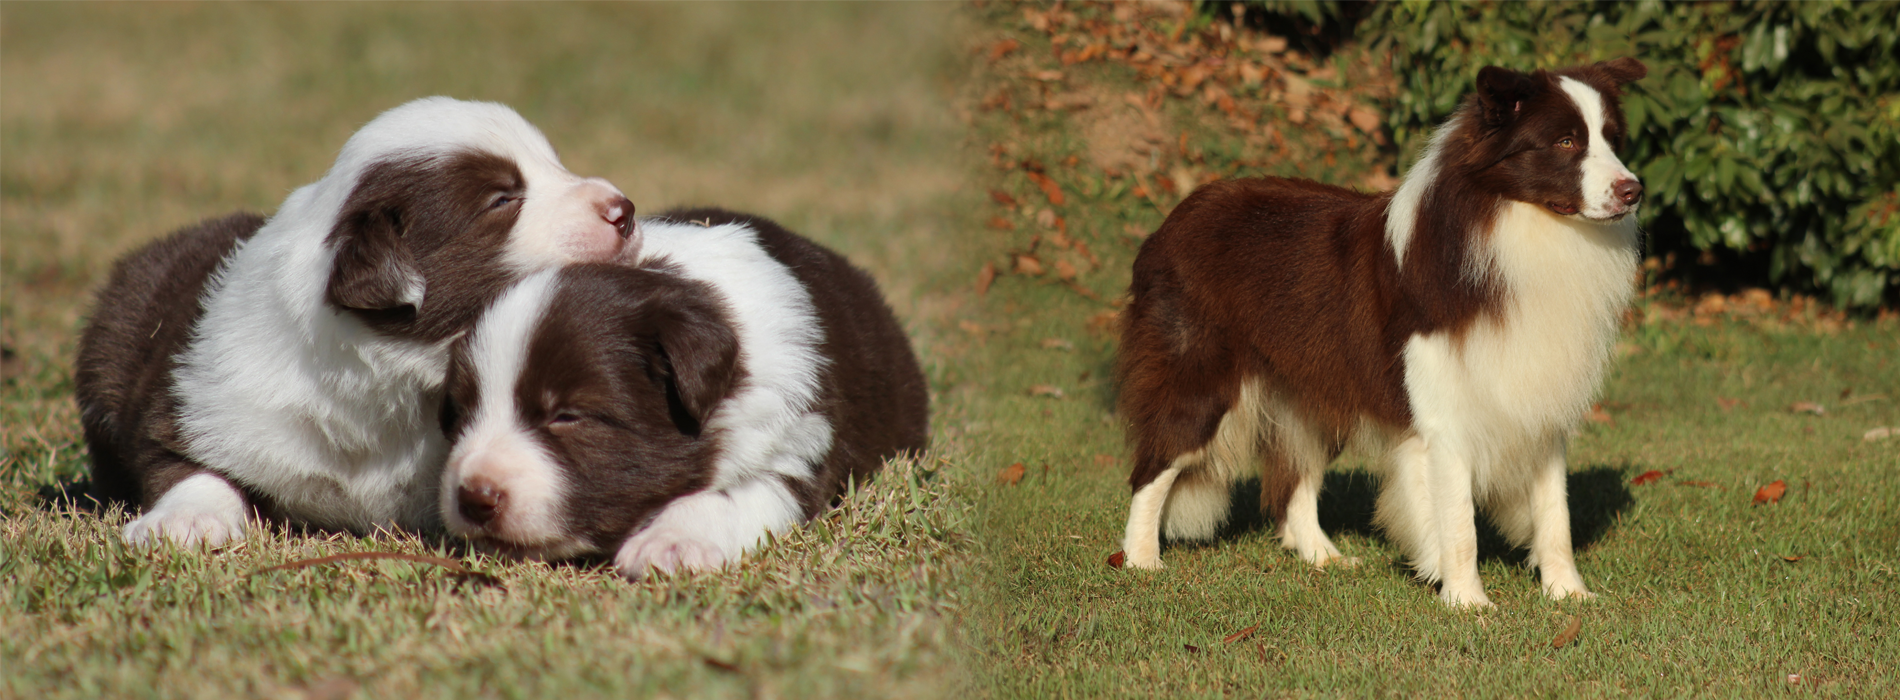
{"x": 673, "y": 411}
{"x": 294, "y": 365}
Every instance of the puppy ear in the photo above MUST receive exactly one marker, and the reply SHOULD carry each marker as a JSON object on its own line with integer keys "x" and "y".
{"x": 373, "y": 269}
{"x": 1624, "y": 70}
{"x": 1502, "y": 92}
{"x": 699, "y": 359}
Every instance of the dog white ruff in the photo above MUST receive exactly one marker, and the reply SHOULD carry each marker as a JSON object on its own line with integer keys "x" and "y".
{"x": 283, "y": 393}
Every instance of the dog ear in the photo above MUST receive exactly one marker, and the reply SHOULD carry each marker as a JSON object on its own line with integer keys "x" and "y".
{"x": 1623, "y": 70}
{"x": 373, "y": 269}
{"x": 698, "y": 357}
{"x": 1502, "y": 92}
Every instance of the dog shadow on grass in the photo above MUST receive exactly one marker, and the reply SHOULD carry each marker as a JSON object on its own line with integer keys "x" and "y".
{"x": 1597, "y": 495}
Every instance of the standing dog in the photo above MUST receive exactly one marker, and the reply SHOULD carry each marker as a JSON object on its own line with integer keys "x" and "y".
{"x": 673, "y": 412}
{"x": 1461, "y": 325}
{"x": 294, "y": 365}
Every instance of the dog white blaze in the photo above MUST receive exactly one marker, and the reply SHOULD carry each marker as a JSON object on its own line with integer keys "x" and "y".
{"x": 495, "y": 448}
{"x": 1601, "y": 168}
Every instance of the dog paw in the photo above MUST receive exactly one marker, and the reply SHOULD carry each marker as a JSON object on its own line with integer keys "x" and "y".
{"x": 201, "y": 510}
{"x": 666, "y": 550}
{"x": 1335, "y": 560}
{"x": 1564, "y": 590}
{"x": 1457, "y": 597}
{"x": 185, "y": 529}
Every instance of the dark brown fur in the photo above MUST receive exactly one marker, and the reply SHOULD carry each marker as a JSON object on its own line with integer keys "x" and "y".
{"x": 141, "y": 321}
{"x": 628, "y": 364}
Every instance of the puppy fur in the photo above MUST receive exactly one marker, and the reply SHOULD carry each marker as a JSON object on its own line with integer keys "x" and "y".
{"x": 725, "y": 384}
{"x": 294, "y": 365}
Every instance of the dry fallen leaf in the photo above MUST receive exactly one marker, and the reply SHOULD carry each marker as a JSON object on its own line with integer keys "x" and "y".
{"x": 1106, "y": 460}
{"x": 1027, "y": 264}
{"x": 1728, "y": 404}
{"x": 1003, "y": 48}
{"x": 1191, "y": 649}
{"x": 1003, "y": 198}
{"x": 1104, "y": 321}
{"x": 1049, "y": 187}
{"x": 1791, "y": 558}
{"x": 1049, "y": 390}
{"x": 1807, "y": 407}
{"x": 1879, "y": 434}
{"x": 1237, "y": 636}
{"x": 1001, "y": 224}
{"x": 972, "y": 327}
{"x": 1569, "y": 634}
{"x": 1115, "y": 560}
{"x": 984, "y": 277}
{"x": 1064, "y": 270}
{"x": 1598, "y": 415}
{"x": 1771, "y": 493}
{"x": 1011, "y": 474}
{"x": 1364, "y": 118}
{"x": 1648, "y": 477}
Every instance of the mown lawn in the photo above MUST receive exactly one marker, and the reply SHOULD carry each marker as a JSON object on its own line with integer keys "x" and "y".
{"x": 1701, "y": 592}
{"x": 121, "y": 122}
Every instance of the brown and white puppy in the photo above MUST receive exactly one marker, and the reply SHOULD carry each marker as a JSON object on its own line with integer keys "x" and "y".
{"x": 672, "y": 411}
{"x": 1460, "y": 326}
{"x": 295, "y": 365}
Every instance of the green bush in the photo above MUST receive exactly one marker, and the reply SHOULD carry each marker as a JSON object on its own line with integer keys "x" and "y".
{"x": 1766, "y": 128}
{"x": 1769, "y": 131}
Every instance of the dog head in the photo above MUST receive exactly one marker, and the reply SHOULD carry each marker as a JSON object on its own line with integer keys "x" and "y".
{"x": 577, "y": 408}
{"x": 439, "y": 203}
{"x": 1550, "y": 138}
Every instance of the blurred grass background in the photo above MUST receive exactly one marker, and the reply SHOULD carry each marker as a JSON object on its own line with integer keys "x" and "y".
{"x": 121, "y": 122}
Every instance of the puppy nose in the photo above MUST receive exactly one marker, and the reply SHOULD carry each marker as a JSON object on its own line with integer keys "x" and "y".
{"x": 479, "y": 500}
{"x": 619, "y": 212}
{"x": 1628, "y": 191}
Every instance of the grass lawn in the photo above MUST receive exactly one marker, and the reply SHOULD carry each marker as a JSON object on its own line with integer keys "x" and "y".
{"x": 1701, "y": 593}
{"x": 119, "y": 123}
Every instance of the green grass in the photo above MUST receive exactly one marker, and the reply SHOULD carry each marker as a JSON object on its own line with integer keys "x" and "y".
{"x": 1695, "y": 595}
{"x": 121, "y": 122}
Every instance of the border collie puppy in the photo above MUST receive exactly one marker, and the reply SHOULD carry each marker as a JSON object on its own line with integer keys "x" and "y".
{"x": 672, "y": 412}
{"x": 294, "y": 366}
{"x": 1460, "y": 326}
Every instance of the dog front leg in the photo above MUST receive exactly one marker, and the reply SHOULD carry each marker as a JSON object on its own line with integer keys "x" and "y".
{"x": 202, "y": 508}
{"x": 1455, "y": 526}
{"x": 1550, "y": 529}
{"x": 706, "y": 530}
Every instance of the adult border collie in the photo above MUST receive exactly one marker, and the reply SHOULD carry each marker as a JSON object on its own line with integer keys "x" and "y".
{"x": 672, "y": 412}
{"x": 294, "y": 365}
{"x": 1460, "y": 325}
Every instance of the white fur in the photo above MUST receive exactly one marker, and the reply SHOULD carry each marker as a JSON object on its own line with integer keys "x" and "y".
{"x": 1401, "y": 214}
{"x": 284, "y": 394}
{"x": 770, "y": 426}
{"x": 1602, "y": 170}
{"x": 200, "y": 509}
{"x": 1141, "y": 544}
{"x": 496, "y": 447}
{"x": 1491, "y": 412}
{"x": 705, "y": 530}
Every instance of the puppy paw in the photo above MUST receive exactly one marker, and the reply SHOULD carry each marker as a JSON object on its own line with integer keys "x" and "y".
{"x": 1464, "y": 597}
{"x": 666, "y": 550}
{"x": 1572, "y": 590}
{"x": 203, "y": 509}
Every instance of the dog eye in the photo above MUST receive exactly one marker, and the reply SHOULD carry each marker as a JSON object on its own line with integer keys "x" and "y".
{"x": 1567, "y": 144}
{"x": 503, "y": 199}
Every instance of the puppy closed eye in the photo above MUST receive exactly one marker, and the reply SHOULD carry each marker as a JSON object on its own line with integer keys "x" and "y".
{"x": 504, "y": 199}
{"x": 565, "y": 422}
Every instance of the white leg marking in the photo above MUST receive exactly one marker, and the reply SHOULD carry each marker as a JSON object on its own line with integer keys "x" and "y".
{"x": 1141, "y": 546}
{"x": 1550, "y": 530}
{"x": 202, "y": 509}
{"x": 1300, "y": 531}
{"x": 709, "y": 529}
{"x": 1455, "y": 527}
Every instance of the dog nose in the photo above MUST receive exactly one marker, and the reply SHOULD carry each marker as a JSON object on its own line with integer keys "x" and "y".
{"x": 619, "y": 212}
{"x": 1628, "y": 191}
{"x": 479, "y": 500}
